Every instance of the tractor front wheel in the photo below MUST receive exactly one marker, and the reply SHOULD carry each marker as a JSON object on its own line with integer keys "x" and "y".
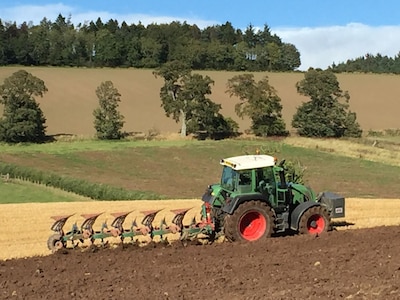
{"x": 251, "y": 221}
{"x": 314, "y": 221}
{"x": 55, "y": 242}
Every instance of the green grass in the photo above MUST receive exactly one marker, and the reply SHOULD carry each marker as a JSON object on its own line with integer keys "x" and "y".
{"x": 16, "y": 191}
{"x": 183, "y": 169}
{"x": 88, "y": 145}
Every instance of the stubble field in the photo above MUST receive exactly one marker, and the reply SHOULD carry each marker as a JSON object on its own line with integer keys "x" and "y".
{"x": 26, "y": 227}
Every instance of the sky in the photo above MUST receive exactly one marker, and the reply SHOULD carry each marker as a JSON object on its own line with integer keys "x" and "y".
{"x": 324, "y": 31}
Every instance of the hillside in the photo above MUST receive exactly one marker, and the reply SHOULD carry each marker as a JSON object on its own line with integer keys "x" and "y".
{"x": 71, "y": 98}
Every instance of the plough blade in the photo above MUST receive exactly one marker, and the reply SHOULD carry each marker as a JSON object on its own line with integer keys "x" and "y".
{"x": 59, "y": 223}
{"x": 149, "y": 216}
{"x": 87, "y": 225}
{"x": 117, "y": 224}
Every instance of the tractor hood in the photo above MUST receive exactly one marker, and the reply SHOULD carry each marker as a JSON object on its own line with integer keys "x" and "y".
{"x": 299, "y": 189}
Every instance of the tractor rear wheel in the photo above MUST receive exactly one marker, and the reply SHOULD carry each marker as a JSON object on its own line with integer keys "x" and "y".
{"x": 251, "y": 221}
{"x": 55, "y": 242}
{"x": 314, "y": 221}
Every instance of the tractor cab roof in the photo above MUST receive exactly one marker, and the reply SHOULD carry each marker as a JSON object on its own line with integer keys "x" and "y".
{"x": 245, "y": 162}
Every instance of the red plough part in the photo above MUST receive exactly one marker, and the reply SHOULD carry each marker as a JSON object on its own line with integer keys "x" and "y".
{"x": 117, "y": 230}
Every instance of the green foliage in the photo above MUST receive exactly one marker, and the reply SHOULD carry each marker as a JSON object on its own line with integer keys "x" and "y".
{"x": 327, "y": 113}
{"x": 108, "y": 120}
{"x": 78, "y": 186}
{"x": 214, "y": 126}
{"x": 369, "y": 63}
{"x": 183, "y": 97}
{"x": 260, "y": 102}
{"x": 294, "y": 172}
{"x": 114, "y": 44}
{"x": 23, "y": 120}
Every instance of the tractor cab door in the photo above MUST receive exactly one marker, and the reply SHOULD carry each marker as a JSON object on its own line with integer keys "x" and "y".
{"x": 266, "y": 183}
{"x": 270, "y": 182}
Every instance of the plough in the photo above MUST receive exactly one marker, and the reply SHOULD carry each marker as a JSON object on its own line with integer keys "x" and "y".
{"x": 61, "y": 239}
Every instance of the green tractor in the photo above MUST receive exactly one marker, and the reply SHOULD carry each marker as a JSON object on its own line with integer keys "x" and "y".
{"x": 254, "y": 200}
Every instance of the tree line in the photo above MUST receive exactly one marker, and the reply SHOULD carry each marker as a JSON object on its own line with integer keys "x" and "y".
{"x": 369, "y": 63}
{"x": 110, "y": 44}
{"x": 184, "y": 97}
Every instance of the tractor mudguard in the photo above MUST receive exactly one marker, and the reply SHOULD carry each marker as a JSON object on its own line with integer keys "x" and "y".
{"x": 230, "y": 206}
{"x": 298, "y": 212}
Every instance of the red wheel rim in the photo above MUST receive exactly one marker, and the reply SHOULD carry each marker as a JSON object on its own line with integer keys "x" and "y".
{"x": 252, "y": 226}
{"x": 316, "y": 224}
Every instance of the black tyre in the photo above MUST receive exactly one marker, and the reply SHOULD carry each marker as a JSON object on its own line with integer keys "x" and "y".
{"x": 251, "y": 221}
{"x": 55, "y": 242}
{"x": 314, "y": 221}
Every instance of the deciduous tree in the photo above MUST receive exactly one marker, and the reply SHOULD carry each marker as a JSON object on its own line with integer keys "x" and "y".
{"x": 260, "y": 102}
{"x": 327, "y": 113}
{"x": 23, "y": 120}
{"x": 108, "y": 121}
{"x": 184, "y": 98}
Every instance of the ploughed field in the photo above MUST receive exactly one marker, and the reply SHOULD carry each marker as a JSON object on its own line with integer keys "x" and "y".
{"x": 358, "y": 260}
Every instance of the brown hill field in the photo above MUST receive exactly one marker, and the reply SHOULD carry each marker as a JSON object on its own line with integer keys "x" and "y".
{"x": 71, "y": 98}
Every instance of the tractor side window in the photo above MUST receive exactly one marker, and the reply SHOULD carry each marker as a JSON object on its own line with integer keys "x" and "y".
{"x": 265, "y": 180}
{"x": 245, "y": 178}
{"x": 268, "y": 175}
{"x": 244, "y": 184}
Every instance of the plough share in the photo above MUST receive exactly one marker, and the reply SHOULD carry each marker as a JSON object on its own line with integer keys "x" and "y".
{"x": 71, "y": 239}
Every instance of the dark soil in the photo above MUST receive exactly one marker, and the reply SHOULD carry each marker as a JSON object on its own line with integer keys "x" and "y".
{"x": 348, "y": 264}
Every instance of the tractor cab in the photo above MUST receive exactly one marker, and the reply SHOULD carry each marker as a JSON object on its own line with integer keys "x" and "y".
{"x": 245, "y": 173}
{"x": 250, "y": 174}
{"x": 256, "y": 177}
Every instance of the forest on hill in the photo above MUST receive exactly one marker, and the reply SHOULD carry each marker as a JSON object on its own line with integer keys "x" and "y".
{"x": 114, "y": 44}
{"x": 369, "y": 64}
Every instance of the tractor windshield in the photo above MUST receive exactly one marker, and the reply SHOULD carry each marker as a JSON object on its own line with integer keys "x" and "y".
{"x": 228, "y": 178}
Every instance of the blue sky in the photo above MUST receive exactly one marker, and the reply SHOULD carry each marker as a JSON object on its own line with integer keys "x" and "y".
{"x": 324, "y": 31}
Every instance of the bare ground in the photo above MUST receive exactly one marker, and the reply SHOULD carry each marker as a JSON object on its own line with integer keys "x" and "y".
{"x": 359, "y": 261}
{"x": 349, "y": 264}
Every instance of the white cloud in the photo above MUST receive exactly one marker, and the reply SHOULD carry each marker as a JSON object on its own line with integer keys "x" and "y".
{"x": 19, "y": 15}
{"x": 320, "y": 47}
{"x": 34, "y": 13}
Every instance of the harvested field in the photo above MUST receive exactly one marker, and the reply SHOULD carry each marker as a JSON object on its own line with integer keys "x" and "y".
{"x": 17, "y": 242}
{"x": 352, "y": 264}
{"x": 71, "y": 98}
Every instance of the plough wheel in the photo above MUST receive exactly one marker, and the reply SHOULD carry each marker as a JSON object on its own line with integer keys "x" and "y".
{"x": 251, "y": 221}
{"x": 55, "y": 243}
